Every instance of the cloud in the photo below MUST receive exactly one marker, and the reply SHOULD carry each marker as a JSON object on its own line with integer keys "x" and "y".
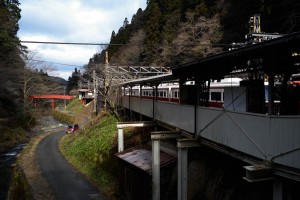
{"x": 63, "y": 74}
{"x": 72, "y": 21}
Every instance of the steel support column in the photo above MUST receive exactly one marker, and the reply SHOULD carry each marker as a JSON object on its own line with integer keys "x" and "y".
{"x": 156, "y": 137}
{"x": 53, "y": 104}
{"x": 182, "y": 162}
{"x": 182, "y": 173}
{"x": 277, "y": 189}
{"x": 35, "y": 103}
{"x": 120, "y": 140}
{"x": 129, "y": 101}
{"x": 155, "y": 169}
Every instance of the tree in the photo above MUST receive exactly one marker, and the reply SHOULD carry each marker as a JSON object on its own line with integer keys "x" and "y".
{"x": 153, "y": 25}
{"x": 73, "y": 81}
{"x": 35, "y": 79}
{"x": 130, "y": 54}
{"x": 138, "y": 20}
{"x": 9, "y": 17}
{"x": 10, "y": 59}
{"x": 125, "y": 23}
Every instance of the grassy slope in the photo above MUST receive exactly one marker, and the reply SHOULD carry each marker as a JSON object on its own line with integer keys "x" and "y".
{"x": 91, "y": 152}
{"x": 75, "y": 106}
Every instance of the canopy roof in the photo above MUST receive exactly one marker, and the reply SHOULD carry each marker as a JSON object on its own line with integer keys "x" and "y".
{"x": 278, "y": 55}
{"x": 151, "y": 80}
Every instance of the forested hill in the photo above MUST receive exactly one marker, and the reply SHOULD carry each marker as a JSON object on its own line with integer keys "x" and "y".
{"x": 170, "y": 32}
{"x": 21, "y": 75}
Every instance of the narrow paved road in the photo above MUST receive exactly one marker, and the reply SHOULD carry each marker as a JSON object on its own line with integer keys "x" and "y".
{"x": 65, "y": 182}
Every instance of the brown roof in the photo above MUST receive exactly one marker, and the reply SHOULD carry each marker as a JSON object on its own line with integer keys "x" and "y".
{"x": 141, "y": 157}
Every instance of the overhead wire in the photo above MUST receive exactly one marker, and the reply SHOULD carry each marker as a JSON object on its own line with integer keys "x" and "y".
{"x": 54, "y": 63}
{"x": 107, "y": 44}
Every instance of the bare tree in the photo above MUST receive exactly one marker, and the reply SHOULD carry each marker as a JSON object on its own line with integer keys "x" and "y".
{"x": 197, "y": 38}
{"x": 130, "y": 54}
{"x": 35, "y": 79}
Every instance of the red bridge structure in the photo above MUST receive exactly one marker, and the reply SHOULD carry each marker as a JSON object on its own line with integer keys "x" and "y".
{"x": 49, "y": 96}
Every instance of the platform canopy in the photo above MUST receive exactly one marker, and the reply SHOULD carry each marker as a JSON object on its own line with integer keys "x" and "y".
{"x": 151, "y": 80}
{"x": 280, "y": 55}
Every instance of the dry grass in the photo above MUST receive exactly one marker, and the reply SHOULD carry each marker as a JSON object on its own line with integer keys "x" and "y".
{"x": 28, "y": 162}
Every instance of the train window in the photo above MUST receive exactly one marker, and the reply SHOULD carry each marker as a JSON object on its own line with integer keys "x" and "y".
{"x": 162, "y": 93}
{"x": 147, "y": 93}
{"x": 175, "y": 94}
{"x": 216, "y": 96}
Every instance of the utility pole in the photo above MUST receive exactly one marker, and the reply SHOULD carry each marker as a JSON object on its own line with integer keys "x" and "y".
{"x": 95, "y": 92}
{"x": 65, "y": 97}
{"x": 105, "y": 78}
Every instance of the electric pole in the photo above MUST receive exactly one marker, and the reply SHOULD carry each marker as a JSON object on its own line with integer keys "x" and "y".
{"x": 105, "y": 79}
{"x": 95, "y": 92}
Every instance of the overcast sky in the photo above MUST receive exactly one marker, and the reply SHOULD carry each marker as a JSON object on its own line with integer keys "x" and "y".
{"x": 83, "y": 21}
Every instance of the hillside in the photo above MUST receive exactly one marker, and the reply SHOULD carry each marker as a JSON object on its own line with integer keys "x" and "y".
{"x": 171, "y": 32}
{"x": 91, "y": 149}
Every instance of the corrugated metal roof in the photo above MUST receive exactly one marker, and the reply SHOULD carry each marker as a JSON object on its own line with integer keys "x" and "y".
{"x": 153, "y": 79}
{"x": 84, "y": 90}
{"x": 141, "y": 157}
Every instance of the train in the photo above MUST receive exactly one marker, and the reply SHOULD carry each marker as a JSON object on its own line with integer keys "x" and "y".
{"x": 169, "y": 92}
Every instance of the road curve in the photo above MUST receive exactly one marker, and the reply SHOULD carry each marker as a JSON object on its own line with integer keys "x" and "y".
{"x": 65, "y": 182}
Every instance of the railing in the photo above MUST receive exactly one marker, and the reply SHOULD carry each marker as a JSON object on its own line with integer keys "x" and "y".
{"x": 272, "y": 138}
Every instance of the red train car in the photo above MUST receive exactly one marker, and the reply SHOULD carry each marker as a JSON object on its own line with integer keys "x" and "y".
{"x": 169, "y": 92}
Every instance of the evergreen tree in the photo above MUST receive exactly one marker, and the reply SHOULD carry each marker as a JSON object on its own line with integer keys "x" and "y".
{"x": 73, "y": 81}
{"x": 138, "y": 20}
{"x": 9, "y": 17}
{"x": 153, "y": 24}
{"x": 125, "y": 23}
{"x": 10, "y": 59}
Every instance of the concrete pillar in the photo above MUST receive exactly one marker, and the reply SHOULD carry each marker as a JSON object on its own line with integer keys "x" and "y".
{"x": 35, "y": 103}
{"x": 120, "y": 140}
{"x": 155, "y": 169}
{"x": 53, "y": 104}
{"x": 182, "y": 173}
{"x": 156, "y": 137}
{"x": 121, "y": 125}
{"x": 182, "y": 162}
{"x": 277, "y": 189}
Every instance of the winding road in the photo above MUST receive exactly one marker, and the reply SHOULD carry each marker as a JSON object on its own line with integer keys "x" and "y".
{"x": 65, "y": 182}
